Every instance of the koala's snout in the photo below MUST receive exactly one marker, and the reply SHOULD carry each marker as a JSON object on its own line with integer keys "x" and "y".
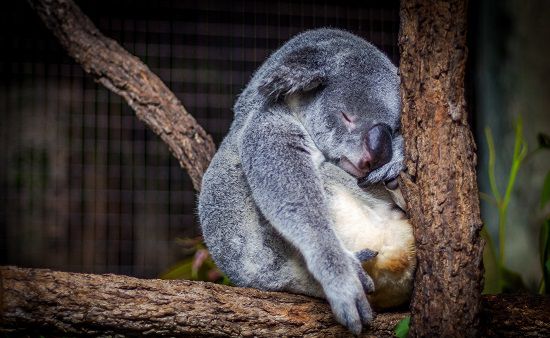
{"x": 378, "y": 148}
{"x": 377, "y": 151}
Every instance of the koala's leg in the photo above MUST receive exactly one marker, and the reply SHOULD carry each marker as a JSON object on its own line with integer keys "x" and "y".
{"x": 287, "y": 188}
{"x": 242, "y": 243}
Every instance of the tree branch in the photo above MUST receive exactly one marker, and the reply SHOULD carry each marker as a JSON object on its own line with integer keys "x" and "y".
{"x": 43, "y": 301}
{"x": 37, "y": 301}
{"x": 125, "y": 75}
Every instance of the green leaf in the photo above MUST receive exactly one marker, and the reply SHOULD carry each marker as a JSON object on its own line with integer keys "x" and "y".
{"x": 545, "y": 195}
{"x": 226, "y": 281}
{"x": 492, "y": 160}
{"x": 181, "y": 270}
{"x": 543, "y": 140}
{"x": 402, "y": 328}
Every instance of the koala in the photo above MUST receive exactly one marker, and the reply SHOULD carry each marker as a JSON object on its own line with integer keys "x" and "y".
{"x": 294, "y": 200}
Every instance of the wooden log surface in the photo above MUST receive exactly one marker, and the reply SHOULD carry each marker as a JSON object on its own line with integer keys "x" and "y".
{"x": 45, "y": 302}
{"x": 125, "y": 75}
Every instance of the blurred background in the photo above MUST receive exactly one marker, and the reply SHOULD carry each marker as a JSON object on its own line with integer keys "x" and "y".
{"x": 86, "y": 187}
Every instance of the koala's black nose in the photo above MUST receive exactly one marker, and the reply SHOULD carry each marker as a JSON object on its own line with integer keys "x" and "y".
{"x": 378, "y": 147}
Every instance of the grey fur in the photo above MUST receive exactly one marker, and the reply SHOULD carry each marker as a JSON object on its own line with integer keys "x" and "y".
{"x": 263, "y": 204}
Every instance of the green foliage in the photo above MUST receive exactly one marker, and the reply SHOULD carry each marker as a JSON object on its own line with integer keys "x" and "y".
{"x": 402, "y": 328}
{"x": 198, "y": 266}
{"x": 502, "y": 278}
{"x": 498, "y": 278}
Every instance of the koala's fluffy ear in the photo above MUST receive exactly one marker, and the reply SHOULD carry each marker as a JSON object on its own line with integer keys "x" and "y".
{"x": 299, "y": 70}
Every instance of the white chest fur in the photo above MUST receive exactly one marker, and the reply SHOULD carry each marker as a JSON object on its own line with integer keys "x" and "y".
{"x": 379, "y": 228}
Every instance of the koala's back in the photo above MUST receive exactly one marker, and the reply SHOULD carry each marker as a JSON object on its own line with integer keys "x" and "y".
{"x": 242, "y": 242}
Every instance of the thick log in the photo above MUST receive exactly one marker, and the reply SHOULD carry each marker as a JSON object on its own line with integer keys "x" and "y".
{"x": 440, "y": 179}
{"x": 38, "y": 301}
{"x": 125, "y": 75}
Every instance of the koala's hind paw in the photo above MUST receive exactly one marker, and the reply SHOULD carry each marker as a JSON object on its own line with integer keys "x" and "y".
{"x": 352, "y": 312}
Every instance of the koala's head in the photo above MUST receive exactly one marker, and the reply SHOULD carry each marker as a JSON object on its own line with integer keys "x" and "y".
{"x": 345, "y": 92}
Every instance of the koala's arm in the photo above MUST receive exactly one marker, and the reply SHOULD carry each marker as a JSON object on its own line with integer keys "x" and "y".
{"x": 286, "y": 186}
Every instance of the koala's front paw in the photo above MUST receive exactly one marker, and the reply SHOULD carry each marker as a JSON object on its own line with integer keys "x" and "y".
{"x": 346, "y": 295}
{"x": 387, "y": 172}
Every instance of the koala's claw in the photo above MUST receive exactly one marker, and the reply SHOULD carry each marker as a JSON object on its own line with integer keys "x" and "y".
{"x": 353, "y": 315}
{"x": 366, "y": 281}
{"x": 392, "y": 184}
{"x": 366, "y": 255}
{"x": 348, "y": 299}
{"x": 365, "y": 312}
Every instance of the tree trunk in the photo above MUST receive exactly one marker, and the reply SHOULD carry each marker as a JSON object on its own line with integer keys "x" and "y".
{"x": 440, "y": 179}
{"x": 125, "y": 75}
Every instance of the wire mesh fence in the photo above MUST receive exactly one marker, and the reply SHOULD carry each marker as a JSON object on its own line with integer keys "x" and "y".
{"x": 85, "y": 186}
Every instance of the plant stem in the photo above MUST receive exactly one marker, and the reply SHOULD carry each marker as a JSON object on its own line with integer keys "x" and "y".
{"x": 492, "y": 178}
{"x": 501, "y": 236}
{"x": 520, "y": 152}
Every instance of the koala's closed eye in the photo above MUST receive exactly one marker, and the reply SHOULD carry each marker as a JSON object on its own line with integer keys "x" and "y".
{"x": 349, "y": 120}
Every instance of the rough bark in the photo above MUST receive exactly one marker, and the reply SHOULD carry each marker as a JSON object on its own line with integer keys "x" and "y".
{"x": 440, "y": 179}
{"x": 36, "y": 301}
{"x": 125, "y": 75}
{"x": 515, "y": 316}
